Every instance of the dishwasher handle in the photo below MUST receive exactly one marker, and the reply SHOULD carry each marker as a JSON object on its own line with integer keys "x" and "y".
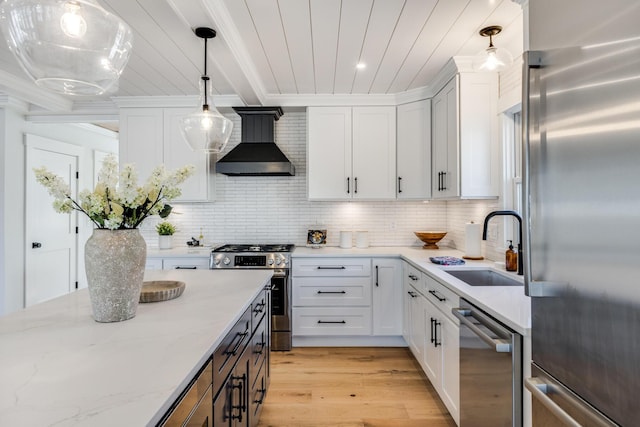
{"x": 539, "y": 391}
{"x": 499, "y": 345}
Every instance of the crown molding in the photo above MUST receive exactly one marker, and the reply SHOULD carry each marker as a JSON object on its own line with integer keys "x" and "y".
{"x": 7, "y": 101}
{"x": 414, "y": 95}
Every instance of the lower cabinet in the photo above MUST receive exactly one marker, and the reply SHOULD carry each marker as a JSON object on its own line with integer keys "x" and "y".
{"x": 231, "y": 388}
{"x": 359, "y": 297}
{"x": 432, "y": 333}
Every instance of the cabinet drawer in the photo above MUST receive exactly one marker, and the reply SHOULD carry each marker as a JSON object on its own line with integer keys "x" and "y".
{"x": 441, "y": 296}
{"x": 331, "y": 291}
{"x": 230, "y": 349}
{"x": 185, "y": 263}
{"x": 413, "y": 277}
{"x": 153, "y": 264}
{"x": 323, "y": 267}
{"x": 331, "y": 321}
{"x": 200, "y": 389}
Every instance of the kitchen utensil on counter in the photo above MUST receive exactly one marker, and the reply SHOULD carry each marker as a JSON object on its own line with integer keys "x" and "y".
{"x": 362, "y": 239}
{"x": 430, "y": 238}
{"x": 346, "y": 239}
{"x": 472, "y": 241}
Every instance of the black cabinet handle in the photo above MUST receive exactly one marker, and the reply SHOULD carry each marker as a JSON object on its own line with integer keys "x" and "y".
{"x": 242, "y": 407}
{"x": 35, "y": 245}
{"x": 412, "y": 277}
{"x": 355, "y": 190}
{"x": 412, "y": 294}
{"x": 185, "y": 267}
{"x": 348, "y": 185}
{"x": 435, "y": 294}
{"x": 377, "y": 276}
{"x": 436, "y": 343}
{"x": 444, "y": 181}
{"x": 259, "y": 308}
{"x": 331, "y": 292}
{"x": 341, "y": 322}
{"x": 432, "y": 320}
{"x": 329, "y": 267}
{"x": 399, "y": 184}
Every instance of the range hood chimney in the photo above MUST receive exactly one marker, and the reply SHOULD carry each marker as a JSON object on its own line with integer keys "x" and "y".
{"x": 257, "y": 154}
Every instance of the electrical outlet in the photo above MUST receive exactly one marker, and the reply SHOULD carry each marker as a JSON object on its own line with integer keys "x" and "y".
{"x": 492, "y": 232}
{"x": 392, "y": 225}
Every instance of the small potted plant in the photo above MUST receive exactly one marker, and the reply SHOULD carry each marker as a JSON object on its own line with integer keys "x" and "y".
{"x": 165, "y": 230}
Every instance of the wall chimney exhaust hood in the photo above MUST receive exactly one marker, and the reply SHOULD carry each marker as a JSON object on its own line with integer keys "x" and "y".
{"x": 257, "y": 154}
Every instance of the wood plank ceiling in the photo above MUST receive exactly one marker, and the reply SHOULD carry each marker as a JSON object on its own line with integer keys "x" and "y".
{"x": 267, "y": 49}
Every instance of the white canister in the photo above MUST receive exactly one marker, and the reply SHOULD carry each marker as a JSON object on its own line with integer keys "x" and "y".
{"x": 345, "y": 239}
{"x": 362, "y": 239}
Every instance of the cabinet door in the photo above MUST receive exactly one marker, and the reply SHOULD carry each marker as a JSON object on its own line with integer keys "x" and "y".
{"x": 329, "y": 153}
{"x": 445, "y": 142}
{"x": 141, "y": 139}
{"x": 177, "y": 153}
{"x": 374, "y": 153}
{"x": 450, "y": 393}
{"x": 433, "y": 344}
{"x": 414, "y": 151}
{"x": 387, "y": 296}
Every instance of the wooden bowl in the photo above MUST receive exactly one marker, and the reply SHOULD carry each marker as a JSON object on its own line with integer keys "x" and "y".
{"x": 430, "y": 238}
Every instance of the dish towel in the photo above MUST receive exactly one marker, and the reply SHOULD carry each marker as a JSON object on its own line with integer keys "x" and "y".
{"x": 446, "y": 260}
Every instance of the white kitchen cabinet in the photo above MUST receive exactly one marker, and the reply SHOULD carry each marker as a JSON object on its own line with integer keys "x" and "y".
{"x": 351, "y": 153}
{"x": 442, "y": 347}
{"x": 413, "y": 150}
{"x": 387, "y": 296}
{"x": 465, "y": 140}
{"x": 151, "y": 136}
{"x": 177, "y": 263}
{"x": 414, "y": 315}
{"x": 331, "y": 296}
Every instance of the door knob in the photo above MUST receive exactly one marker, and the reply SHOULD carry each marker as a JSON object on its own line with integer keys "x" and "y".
{"x": 35, "y": 245}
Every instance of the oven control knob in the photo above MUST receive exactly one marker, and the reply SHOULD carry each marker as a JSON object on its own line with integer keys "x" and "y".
{"x": 226, "y": 261}
{"x": 270, "y": 261}
{"x": 286, "y": 261}
{"x": 278, "y": 261}
{"x": 216, "y": 261}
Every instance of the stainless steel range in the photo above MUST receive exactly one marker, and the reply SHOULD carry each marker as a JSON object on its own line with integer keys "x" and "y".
{"x": 277, "y": 258}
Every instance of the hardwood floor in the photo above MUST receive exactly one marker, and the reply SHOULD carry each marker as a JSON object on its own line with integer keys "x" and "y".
{"x": 351, "y": 387}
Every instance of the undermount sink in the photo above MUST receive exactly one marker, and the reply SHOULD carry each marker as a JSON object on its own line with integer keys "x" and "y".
{"x": 483, "y": 278}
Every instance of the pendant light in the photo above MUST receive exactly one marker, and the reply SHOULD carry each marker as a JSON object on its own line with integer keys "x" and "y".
{"x": 206, "y": 129}
{"x": 73, "y": 47}
{"x": 492, "y": 58}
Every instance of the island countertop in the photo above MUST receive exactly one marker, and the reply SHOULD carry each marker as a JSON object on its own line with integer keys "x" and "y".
{"x": 60, "y": 367}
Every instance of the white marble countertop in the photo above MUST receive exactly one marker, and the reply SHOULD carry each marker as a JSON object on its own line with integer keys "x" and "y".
{"x": 508, "y": 304}
{"x": 58, "y": 367}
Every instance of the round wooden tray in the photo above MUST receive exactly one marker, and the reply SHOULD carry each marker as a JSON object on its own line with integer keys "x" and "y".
{"x": 161, "y": 290}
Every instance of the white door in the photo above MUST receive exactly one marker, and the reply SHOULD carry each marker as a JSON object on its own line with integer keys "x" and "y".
{"x": 51, "y": 245}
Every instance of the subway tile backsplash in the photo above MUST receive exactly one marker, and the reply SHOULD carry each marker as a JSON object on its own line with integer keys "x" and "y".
{"x": 276, "y": 209}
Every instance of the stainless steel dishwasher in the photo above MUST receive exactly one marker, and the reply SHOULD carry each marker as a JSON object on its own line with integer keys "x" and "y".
{"x": 490, "y": 370}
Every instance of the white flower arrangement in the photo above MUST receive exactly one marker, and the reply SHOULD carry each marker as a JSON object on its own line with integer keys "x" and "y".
{"x": 117, "y": 202}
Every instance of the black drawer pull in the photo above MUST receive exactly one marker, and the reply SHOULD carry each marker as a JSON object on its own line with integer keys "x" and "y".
{"x": 412, "y": 277}
{"x": 332, "y": 292}
{"x": 435, "y": 294}
{"x": 185, "y": 267}
{"x": 240, "y": 336}
{"x": 412, "y": 294}
{"x": 259, "y": 308}
{"x": 341, "y": 322}
{"x": 329, "y": 267}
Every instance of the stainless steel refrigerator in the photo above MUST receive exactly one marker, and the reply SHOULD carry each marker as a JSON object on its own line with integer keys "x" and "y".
{"x": 581, "y": 128}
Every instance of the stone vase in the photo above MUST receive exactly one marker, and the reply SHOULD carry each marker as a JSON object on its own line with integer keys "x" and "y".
{"x": 114, "y": 262}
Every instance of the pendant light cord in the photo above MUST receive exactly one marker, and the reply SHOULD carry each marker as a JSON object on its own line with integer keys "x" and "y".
{"x": 205, "y": 78}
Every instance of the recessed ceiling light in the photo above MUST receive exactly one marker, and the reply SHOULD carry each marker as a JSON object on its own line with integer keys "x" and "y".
{"x": 361, "y": 65}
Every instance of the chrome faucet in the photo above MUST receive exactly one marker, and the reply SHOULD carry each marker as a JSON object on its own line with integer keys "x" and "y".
{"x": 519, "y": 218}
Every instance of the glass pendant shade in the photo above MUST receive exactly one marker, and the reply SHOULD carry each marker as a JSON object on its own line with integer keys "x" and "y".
{"x": 206, "y": 129}
{"x": 492, "y": 58}
{"x": 73, "y": 47}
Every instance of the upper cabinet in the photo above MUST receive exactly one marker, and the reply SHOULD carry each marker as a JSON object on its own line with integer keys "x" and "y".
{"x": 351, "y": 153}
{"x": 151, "y": 136}
{"x": 465, "y": 150}
{"x": 414, "y": 151}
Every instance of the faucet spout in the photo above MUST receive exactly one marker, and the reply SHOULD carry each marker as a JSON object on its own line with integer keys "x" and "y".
{"x": 519, "y": 218}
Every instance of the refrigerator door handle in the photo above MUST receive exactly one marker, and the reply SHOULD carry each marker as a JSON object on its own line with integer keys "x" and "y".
{"x": 539, "y": 390}
{"x": 499, "y": 345}
{"x": 531, "y": 59}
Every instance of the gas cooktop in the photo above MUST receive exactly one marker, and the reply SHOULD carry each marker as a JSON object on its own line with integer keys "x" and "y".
{"x": 255, "y": 248}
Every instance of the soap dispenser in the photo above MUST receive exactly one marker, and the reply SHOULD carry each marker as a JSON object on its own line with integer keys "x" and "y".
{"x": 511, "y": 258}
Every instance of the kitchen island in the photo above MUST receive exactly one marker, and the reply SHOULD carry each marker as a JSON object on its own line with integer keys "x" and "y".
{"x": 60, "y": 367}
